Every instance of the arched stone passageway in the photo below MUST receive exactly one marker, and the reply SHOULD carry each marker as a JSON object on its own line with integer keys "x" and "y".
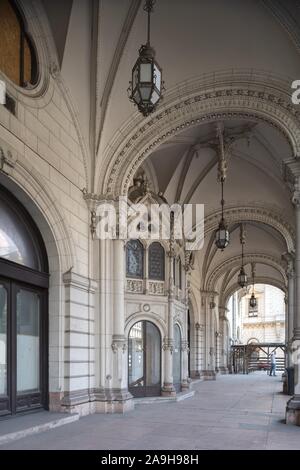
{"x": 134, "y": 316}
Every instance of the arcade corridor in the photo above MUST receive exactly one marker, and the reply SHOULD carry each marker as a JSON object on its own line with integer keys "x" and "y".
{"x": 234, "y": 412}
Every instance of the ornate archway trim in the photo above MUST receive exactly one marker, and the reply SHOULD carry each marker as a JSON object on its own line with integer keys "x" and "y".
{"x": 259, "y": 258}
{"x": 266, "y": 214}
{"x": 243, "y": 94}
{"x": 41, "y": 196}
{"x": 260, "y": 280}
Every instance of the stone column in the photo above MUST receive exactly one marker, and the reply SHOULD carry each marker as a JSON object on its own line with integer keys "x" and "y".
{"x": 185, "y": 347}
{"x": 209, "y": 305}
{"x": 119, "y": 342}
{"x": 168, "y": 388}
{"x": 290, "y": 272}
{"x": 223, "y": 366}
{"x": 292, "y": 170}
{"x": 234, "y": 309}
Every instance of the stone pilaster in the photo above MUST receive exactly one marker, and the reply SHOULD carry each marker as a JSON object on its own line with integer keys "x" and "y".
{"x": 168, "y": 388}
{"x": 292, "y": 168}
{"x": 223, "y": 353}
{"x": 209, "y": 305}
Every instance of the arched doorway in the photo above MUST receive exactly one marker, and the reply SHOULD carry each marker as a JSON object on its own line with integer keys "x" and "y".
{"x": 24, "y": 283}
{"x": 177, "y": 359}
{"x": 144, "y": 360}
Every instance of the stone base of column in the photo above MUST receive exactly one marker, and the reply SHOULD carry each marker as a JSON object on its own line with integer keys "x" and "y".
{"x": 223, "y": 370}
{"x": 195, "y": 374}
{"x": 208, "y": 375}
{"x": 113, "y": 401}
{"x": 168, "y": 390}
{"x": 292, "y": 414}
{"x": 284, "y": 383}
{"x": 185, "y": 385}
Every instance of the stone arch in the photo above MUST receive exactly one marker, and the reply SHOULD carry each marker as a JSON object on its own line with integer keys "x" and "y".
{"x": 248, "y": 94}
{"x": 143, "y": 316}
{"x": 36, "y": 197}
{"x": 266, "y": 214}
{"x": 260, "y": 280}
{"x": 269, "y": 260}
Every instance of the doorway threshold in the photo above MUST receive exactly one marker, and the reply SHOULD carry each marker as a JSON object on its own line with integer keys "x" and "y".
{"x": 17, "y": 427}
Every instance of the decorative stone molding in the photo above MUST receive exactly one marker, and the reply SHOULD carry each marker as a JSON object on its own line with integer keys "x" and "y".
{"x": 119, "y": 343}
{"x": 71, "y": 279}
{"x": 199, "y": 327}
{"x": 7, "y": 161}
{"x": 267, "y": 259}
{"x": 289, "y": 258}
{"x": 267, "y": 215}
{"x": 135, "y": 286}
{"x": 156, "y": 287}
{"x": 168, "y": 345}
{"x": 185, "y": 346}
{"x": 242, "y": 94}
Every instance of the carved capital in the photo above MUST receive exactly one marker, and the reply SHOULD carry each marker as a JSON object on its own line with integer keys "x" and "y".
{"x": 185, "y": 346}
{"x": 6, "y": 161}
{"x": 168, "y": 345}
{"x": 296, "y": 198}
{"x": 119, "y": 343}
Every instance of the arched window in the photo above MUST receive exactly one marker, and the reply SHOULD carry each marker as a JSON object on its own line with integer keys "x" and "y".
{"x": 135, "y": 259}
{"x": 19, "y": 240}
{"x": 17, "y": 55}
{"x": 156, "y": 262}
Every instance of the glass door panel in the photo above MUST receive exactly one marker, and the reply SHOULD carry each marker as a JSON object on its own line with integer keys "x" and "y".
{"x": 136, "y": 357}
{"x": 28, "y": 341}
{"x": 144, "y": 360}
{"x": 152, "y": 359}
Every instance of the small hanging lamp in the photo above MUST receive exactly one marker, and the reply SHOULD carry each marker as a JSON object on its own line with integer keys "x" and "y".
{"x": 253, "y": 300}
{"x": 222, "y": 236}
{"x": 242, "y": 277}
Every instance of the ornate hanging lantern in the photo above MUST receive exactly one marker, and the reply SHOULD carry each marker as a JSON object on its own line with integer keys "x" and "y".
{"x": 222, "y": 236}
{"x": 242, "y": 277}
{"x": 145, "y": 89}
{"x": 253, "y": 300}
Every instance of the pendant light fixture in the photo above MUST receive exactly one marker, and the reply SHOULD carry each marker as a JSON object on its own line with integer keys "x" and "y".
{"x": 222, "y": 236}
{"x": 253, "y": 301}
{"x": 222, "y": 233}
{"x": 242, "y": 277}
{"x": 146, "y": 87}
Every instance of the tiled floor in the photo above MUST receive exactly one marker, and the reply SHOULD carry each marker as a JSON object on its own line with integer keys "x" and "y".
{"x": 234, "y": 412}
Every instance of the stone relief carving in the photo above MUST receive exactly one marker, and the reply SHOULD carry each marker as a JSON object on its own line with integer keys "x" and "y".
{"x": 156, "y": 287}
{"x": 168, "y": 344}
{"x": 135, "y": 286}
{"x": 7, "y": 161}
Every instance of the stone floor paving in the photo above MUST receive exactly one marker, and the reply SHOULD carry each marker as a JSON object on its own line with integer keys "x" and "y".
{"x": 233, "y": 412}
